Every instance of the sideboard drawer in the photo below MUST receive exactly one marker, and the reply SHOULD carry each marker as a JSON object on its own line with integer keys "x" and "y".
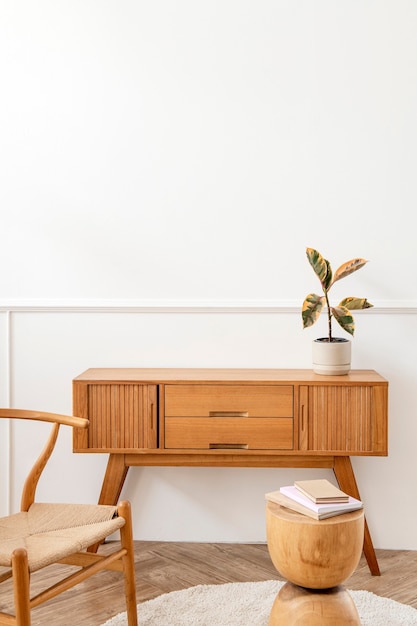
{"x": 229, "y": 401}
{"x": 228, "y": 433}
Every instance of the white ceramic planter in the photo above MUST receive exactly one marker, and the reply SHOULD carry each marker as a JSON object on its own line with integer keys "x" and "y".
{"x": 331, "y": 358}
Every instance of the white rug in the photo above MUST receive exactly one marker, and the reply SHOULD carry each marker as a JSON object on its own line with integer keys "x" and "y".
{"x": 249, "y": 604}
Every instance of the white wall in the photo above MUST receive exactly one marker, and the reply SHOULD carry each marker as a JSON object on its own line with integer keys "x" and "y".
{"x": 162, "y": 155}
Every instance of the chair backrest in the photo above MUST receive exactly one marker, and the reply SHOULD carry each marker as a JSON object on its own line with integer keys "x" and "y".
{"x": 56, "y": 419}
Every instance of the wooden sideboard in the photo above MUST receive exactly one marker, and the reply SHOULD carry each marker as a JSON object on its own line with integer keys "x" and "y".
{"x": 232, "y": 418}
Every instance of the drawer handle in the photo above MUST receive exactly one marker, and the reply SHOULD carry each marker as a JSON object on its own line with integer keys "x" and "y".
{"x": 152, "y": 415}
{"x": 228, "y": 414}
{"x": 228, "y": 446}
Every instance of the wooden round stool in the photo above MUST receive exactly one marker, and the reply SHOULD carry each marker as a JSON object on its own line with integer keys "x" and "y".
{"x": 315, "y": 555}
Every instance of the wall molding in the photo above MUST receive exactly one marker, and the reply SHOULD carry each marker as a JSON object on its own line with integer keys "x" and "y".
{"x": 5, "y": 424}
{"x": 184, "y": 306}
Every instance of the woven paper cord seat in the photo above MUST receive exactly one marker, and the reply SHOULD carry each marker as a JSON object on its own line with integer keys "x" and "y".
{"x": 50, "y": 532}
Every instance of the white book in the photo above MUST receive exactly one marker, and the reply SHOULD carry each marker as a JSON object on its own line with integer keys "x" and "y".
{"x": 288, "y": 503}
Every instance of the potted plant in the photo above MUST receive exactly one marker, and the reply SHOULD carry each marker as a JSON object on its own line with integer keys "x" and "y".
{"x": 331, "y": 355}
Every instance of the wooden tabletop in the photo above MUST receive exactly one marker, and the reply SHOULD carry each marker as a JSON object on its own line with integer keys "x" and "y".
{"x": 209, "y": 375}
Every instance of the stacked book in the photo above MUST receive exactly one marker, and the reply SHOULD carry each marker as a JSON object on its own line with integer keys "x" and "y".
{"x": 318, "y": 499}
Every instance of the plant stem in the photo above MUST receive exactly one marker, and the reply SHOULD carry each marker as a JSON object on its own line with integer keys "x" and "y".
{"x": 329, "y": 315}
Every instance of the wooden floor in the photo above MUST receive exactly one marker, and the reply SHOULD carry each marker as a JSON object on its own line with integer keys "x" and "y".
{"x": 163, "y": 567}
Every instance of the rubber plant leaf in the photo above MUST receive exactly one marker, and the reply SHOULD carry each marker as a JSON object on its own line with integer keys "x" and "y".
{"x": 355, "y": 304}
{"x": 348, "y": 268}
{"x": 312, "y": 307}
{"x": 342, "y": 315}
{"x": 321, "y": 267}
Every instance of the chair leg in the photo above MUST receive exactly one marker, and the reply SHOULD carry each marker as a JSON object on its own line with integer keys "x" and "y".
{"x": 21, "y": 586}
{"x": 126, "y": 536}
